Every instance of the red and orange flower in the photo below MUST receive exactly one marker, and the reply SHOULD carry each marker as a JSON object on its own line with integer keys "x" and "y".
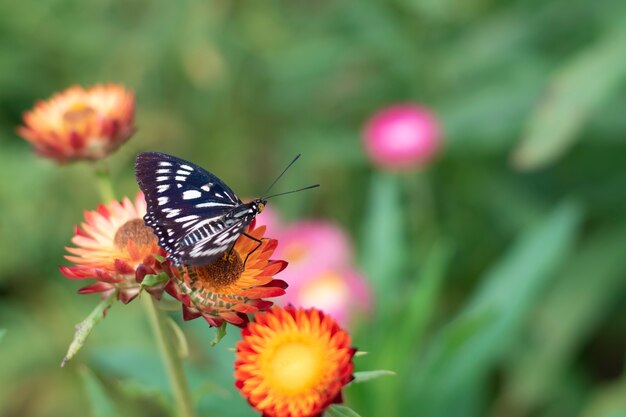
{"x": 230, "y": 288}
{"x": 114, "y": 247}
{"x": 293, "y": 362}
{"x": 81, "y": 123}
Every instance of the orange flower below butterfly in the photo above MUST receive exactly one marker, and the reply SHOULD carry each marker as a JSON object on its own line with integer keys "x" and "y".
{"x": 227, "y": 290}
{"x": 80, "y": 123}
{"x": 293, "y": 362}
{"x": 114, "y": 247}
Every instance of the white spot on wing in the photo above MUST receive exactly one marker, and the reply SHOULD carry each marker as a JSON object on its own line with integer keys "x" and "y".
{"x": 163, "y": 171}
{"x": 187, "y": 218}
{"x": 180, "y": 178}
{"x": 165, "y": 164}
{"x": 161, "y": 188}
{"x": 183, "y": 172}
{"x": 162, "y": 178}
{"x": 191, "y": 194}
{"x": 189, "y": 223}
{"x": 187, "y": 167}
{"x": 172, "y": 213}
{"x": 163, "y": 200}
{"x": 206, "y": 187}
{"x": 212, "y": 204}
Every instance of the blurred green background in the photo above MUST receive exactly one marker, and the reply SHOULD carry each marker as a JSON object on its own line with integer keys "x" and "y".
{"x": 499, "y": 273}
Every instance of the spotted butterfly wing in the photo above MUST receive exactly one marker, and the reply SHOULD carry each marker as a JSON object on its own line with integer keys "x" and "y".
{"x": 195, "y": 216}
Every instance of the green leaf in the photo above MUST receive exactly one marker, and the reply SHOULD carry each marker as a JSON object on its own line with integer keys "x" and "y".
{"x": 576, "y": 91}
{"x": 158, "y": 257}
{"x": 421, "y": 303}
{"x": 383, "y": 234}
{"x": 220, "y": 332}
{"x": 152, "y": 280}
{"x": 588, "y": 288}
{"x": 101, "y": 404}
{"x": 457, "y": 365}
{"x": 84, "y": 328}
{"x": 340, "y": 411}
{"x": 609, "y": 401}
{"x": 365, "y": 376}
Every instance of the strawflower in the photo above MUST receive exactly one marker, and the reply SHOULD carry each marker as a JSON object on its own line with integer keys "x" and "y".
{"x": 114, "y": 247}
{"x": 80, "y": 124}
{"x": 293, "y": 362}
{"x": 402, "y": 137}
{"x": 230, "y": 288}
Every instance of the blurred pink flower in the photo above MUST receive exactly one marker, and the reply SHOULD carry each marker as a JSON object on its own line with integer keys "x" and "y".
{"x": 269, "y": 218}
{"x": 402, "y": 136}
{"x": 340, "y": 293}
{"x": 320, "y": 272}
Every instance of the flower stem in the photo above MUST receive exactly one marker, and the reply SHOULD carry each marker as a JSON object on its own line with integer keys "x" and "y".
{"x": 173, "y": 363}
{"x": 105, "y": 186}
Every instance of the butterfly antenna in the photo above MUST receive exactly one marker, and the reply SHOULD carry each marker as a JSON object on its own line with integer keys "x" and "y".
{"x": 293, "y": 191}
{"x": 282, "y": 173}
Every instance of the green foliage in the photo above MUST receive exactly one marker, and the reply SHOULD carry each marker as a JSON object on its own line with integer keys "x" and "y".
{"x": 497, "y": 272}
{"x": 340, "y": 411}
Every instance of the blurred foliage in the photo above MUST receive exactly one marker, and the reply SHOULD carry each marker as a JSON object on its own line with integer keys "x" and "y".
{"x": 499, "y": 272}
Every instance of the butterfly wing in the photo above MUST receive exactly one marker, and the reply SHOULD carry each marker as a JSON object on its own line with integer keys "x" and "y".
{"x": 184, "y": 199}
{"x": 205, "y": 244}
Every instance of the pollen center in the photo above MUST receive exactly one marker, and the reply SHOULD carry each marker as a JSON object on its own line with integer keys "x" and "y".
{"x": 79, "y": 113}
{"x": 136, "y": 231}
{"x": 220, "y": 274}
{"x": 295, "y": 367}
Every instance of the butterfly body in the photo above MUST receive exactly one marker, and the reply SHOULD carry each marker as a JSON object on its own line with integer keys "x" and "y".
{"x": 194, "y": 214}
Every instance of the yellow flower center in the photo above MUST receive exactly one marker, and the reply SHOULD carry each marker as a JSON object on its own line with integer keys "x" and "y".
{"x": 295, "y": 366}
{"x": 217, "y": 276}
{"x": 136, "y": 231}
{"x": 79, "y": 114}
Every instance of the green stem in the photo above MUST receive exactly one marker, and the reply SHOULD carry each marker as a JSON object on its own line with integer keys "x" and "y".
{"x": 173, "y": 363}
{"x": 105, "y": 186}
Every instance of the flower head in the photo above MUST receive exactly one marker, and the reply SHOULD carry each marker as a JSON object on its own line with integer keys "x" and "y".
{"x": 114, "y": 247}
{"x": 80, "y": 123}
{"x": 402, "y": 136}
{"x": 293, "y": 362}
{"x": 321, "y": 273}
{"x": 231, "y": 287}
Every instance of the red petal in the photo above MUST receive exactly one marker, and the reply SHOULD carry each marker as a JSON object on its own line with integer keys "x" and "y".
{"x": 94, "y": 288}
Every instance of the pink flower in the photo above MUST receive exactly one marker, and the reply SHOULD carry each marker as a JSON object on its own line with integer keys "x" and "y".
{"x": 320, "y": 272}
{"x": 340, "y": 293}
{"x": 402, "y": 136}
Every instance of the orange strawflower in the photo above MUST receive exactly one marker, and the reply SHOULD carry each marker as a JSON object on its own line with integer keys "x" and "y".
{"x": 80, "y": 123}
{"x": 293, "y": 362}
{"x": 227, "y": 290}
{"x": 114, "y": 247}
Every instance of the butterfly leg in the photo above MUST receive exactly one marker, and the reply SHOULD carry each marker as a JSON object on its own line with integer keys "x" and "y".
{"x": 227, "y": 260}
{"x": 259, "y": 243}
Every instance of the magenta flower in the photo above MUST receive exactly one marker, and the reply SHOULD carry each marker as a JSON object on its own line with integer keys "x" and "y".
{"x": 402, "y": 137}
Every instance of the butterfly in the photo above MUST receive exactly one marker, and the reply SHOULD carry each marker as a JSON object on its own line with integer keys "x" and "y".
{"x": 195, "y": 215}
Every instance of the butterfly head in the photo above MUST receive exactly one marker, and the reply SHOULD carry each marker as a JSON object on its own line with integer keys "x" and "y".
{"x": 260, "y": 204}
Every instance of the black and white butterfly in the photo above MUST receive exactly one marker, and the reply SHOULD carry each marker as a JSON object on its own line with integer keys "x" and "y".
{"x": 195, "y": 216}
